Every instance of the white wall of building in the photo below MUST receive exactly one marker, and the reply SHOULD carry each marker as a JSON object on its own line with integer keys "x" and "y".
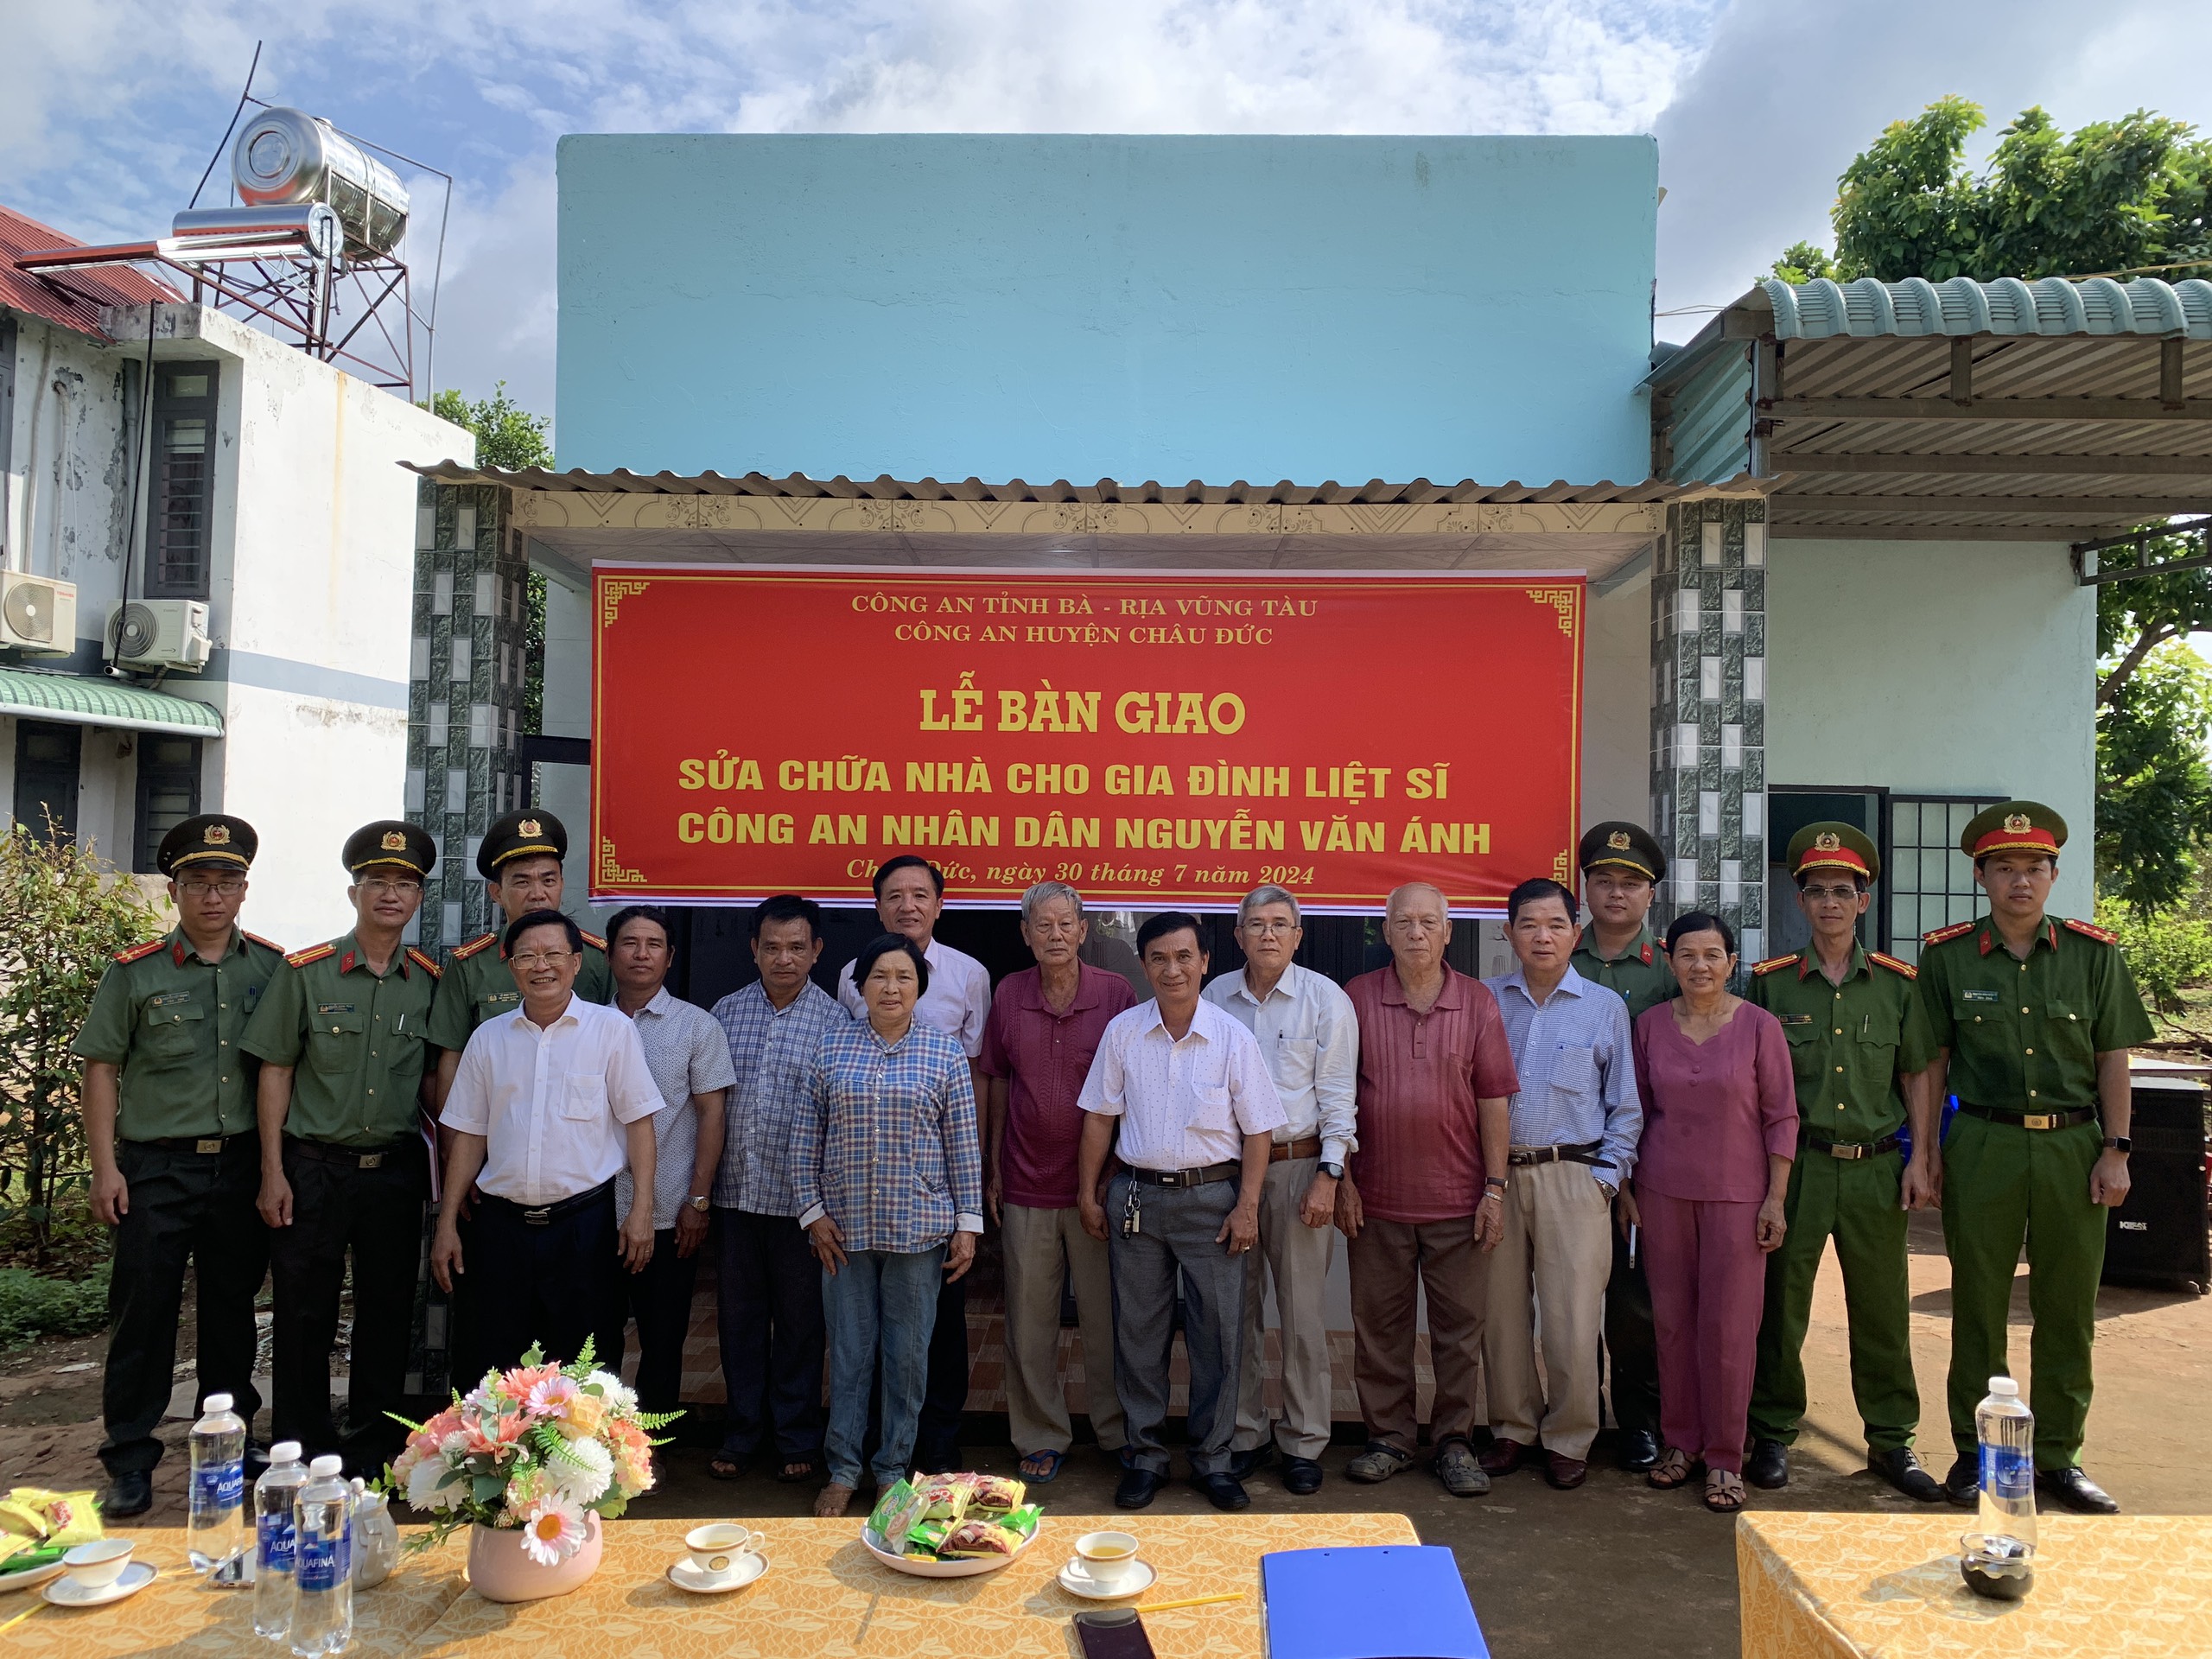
{"x": 565, "y": 791}
{"x": 63, "y": 513}
{"x": 1942, "y": 668}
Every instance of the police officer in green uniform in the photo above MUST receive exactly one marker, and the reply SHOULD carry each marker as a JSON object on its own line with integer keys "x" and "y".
{"x": 519, "y": 859}
{"x": 1622, "y": 866}
{"x": 2033, "y": 1015}
{"x": 1859, "y": 1046}
{"x": 341, "y": 1033}
{"x": 168, "y": 1120}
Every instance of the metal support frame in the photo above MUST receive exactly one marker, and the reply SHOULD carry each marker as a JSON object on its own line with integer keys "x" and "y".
{"x": 2091, "y": 569}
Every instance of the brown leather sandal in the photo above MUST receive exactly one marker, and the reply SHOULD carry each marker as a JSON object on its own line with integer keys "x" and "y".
{"x": 1724, "y": 1491}
{"x": 1673, "y": 1469}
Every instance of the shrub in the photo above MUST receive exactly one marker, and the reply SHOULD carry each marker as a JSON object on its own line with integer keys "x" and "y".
{"x": 2167, "y": 952}
{"x": 32, "y": 1306}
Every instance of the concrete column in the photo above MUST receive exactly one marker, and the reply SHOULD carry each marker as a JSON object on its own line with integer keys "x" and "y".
{"x": 1709, "y": 713}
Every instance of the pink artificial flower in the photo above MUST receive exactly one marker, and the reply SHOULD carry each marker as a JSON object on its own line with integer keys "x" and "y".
{"x": 553, "y": 1530}
{"x": 549, "y": 1396}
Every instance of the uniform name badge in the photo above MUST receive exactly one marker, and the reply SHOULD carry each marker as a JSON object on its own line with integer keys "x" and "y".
{"x": 1978, "y": 997}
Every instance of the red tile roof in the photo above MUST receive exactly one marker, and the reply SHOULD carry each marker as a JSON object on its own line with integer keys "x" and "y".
{"x": 74, "y": 299}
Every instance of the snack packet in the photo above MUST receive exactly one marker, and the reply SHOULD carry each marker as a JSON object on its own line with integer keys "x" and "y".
{"x": 889, "y": 1503}
{"x": 996, "y": 1495}
{"x": 72, "y": 1518}
{"x": 925, "y": 1540}
{"x": 971, "y": 1539}
{"x": 30, "y": 1558}
{"x": 946, "y": 1497}
{"x": 13, "y": 1544}
{"x": 24, "y": 1520}
{"x": 1023, "y": 1521}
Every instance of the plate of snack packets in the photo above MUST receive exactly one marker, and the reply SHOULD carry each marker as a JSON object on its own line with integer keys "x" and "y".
{"x": 37, "y": 1528}
{"x": 951, "y": 1526}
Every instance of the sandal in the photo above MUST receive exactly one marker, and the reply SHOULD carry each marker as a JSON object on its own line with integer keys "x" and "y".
{"x": 1724, "y": 1491}
{"x": 832, "y": 1501}
{"x": 1048, "y": 1467}
{"x": 724, "y": 1467}
{"x": 796, "y": 1470}
{"x": 1377, "y": 1463}
{"x": 1673, "y": 1469}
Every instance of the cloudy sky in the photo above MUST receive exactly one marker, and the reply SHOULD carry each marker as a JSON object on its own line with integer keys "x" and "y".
{"x": 110, "y": 109}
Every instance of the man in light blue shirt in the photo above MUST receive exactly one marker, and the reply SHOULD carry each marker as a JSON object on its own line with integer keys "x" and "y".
{"x": 1575, "y": 1122}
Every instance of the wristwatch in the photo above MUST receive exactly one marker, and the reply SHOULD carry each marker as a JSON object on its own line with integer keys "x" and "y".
{"x": 696, "y": 1201}
{"x": 1608, "y": 1189}
{"x": 1334, "y": 1172}
{"x": 2119, "y": 1143}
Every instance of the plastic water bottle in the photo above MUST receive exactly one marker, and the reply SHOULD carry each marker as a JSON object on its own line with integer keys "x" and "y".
{"x": 322, "y": 1528}
{"x": 273, "y": 1548}
{"x": 2006, "y": 1430}
{"x": 214, "y": 1535}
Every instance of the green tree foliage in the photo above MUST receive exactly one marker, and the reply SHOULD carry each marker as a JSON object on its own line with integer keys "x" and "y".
{"x": 511, "y": 437}
{"x": 2139, "y": 614}
{"x": 63, "y": 914}
{"x": 2154, "y": 789}
{"x": 1802, "y": 261}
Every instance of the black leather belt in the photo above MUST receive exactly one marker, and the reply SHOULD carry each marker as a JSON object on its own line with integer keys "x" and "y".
{"x": 546, "y": 1215}
{"x": 322, "y": 1152}
{"x": 2020, "y": 1119}
{"x": 207, "y": 1146}
{"x": 1205, "y": 1177}
{"x": 1522, "y": 1157}
{"x": 1847, "y": 1150}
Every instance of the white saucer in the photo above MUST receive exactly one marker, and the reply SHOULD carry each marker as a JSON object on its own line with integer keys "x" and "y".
{"x": 685, "y": 1575}
{"x": 1134, "y": 1582}
{"x": 67, "y": 1592}
{"x": 31, "y": 1577}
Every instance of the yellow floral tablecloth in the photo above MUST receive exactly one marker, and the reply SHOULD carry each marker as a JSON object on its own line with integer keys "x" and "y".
{"x": 824, "y": 1596}
{"x": 1887, "y": 1587}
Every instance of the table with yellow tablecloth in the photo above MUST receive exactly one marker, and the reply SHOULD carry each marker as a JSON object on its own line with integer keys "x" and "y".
{"x": 1887, "y": 1587}
{"x": 824, "y": 1596}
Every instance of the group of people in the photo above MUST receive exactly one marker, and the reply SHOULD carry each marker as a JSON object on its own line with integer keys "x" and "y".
{"x": 1602, "y": 1166}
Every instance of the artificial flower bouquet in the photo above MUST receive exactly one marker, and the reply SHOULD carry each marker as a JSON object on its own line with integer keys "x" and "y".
{"x": 533, "y": 1451}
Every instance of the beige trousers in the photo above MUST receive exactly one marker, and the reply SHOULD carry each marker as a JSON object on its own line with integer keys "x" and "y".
{"x": 1034, "y": 1245}
{"x": 1297, "y": 1259}
{"x": 1391, "y": 1261}
{"x": 1550, "y": 1270}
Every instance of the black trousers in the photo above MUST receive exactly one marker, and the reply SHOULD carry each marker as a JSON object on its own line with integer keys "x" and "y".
{"x": 377, "y": 1215}
{"x": 770, "y": 1294}
{"x": 183, "y": 1207}
{"x": 552, "y": 1283}
{"x": 937, "y": 1435}
{"x": 1630, "y": 1340}
{"x": 660, "y": 1298}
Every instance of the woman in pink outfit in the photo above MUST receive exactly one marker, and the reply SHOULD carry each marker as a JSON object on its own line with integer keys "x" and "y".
{"x": 1719, "y": 1130}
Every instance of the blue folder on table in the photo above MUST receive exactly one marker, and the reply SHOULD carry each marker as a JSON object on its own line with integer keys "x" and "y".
{"x": 1388, "y": 1601}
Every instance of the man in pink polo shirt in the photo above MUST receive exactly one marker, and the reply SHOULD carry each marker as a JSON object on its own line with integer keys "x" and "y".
{"x": 1422, "y": 1203}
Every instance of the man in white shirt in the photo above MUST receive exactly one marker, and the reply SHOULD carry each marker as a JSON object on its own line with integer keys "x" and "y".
{"x": 1310, "y": 1037}
{"x": 547, "y": 1104}
{"x": 1197, "y": 1112}
{"x": 909, "y": 899}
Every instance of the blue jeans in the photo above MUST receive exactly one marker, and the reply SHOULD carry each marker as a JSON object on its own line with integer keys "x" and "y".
{"x": 880, "y": 1303}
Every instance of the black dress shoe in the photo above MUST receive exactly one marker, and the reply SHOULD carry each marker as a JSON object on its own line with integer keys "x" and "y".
{"x": 1241, "y": 1463}
{"x": 1767, "y": 1467}
{"x": 1137, "y": 1489}
{"x": 1962, "y": 1487}
{"x": 1223, "y": 1491}
{"x": 1902, "y": 1470}
{"x": 2076, "y": 1491}
{"x": 1301, "y": 1476}
{"x": 1639, "y": 1450}
{"x": 131, "y": 1493}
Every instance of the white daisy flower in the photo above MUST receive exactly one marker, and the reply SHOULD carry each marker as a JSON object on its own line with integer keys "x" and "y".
{"x": 427, "y": 1488}
{"x": 582, "y": 1470}
{"x": 553, "y": 1530}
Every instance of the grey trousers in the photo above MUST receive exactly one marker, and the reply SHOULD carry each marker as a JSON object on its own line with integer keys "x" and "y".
{"x": 1297, "y": 1258}
{"x": 1177, "y": 1230}
{"x": 1036, "y": 1242}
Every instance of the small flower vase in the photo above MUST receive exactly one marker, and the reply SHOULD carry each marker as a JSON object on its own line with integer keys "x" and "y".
{"x": 500, "y": 1569}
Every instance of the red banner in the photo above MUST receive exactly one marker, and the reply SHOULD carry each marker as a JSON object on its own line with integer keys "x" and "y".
{"x": 1159, "y": 741}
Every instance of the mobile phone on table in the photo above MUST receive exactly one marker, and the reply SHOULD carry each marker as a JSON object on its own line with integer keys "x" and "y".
{"x": 1113, "y": 1633}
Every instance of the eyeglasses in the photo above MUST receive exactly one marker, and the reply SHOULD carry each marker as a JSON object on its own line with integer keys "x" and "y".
{"x": 529, "y": 960}
{"x": 228, "y": 888}
{"x": 1268, "y": 929}
{"x": 384, "y": 887}
{"x": 1840, "y": 895}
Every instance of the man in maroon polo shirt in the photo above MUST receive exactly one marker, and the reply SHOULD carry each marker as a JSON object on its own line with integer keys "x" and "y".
{"x": 1423, "y": 1199}
{"x": 1044, "y": 1028}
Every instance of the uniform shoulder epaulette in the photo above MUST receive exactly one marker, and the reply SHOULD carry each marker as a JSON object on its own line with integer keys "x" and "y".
{"x": 266, "y": 944}
{"x": 1894, "y": 964}
{"x": 138, "y": 952}
{"x": 463, "y": 952}
{"x": 1773, "y": 962}
{"x": 594, "y": 940}
{"x": 2090, "y": 930}
{"x": 312, "y": 953}
{"x": 1957, "y": 930}
{"x": 424, "y": 962}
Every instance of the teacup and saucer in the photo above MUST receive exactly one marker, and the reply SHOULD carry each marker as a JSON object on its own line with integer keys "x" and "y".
{"x": 1106, "y": 1568}
{"x": 99, "y": 1572}
{"x": 718, "y": 1559}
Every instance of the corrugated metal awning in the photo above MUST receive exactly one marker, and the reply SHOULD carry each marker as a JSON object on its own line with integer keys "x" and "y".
{"x": 75, "y": 700}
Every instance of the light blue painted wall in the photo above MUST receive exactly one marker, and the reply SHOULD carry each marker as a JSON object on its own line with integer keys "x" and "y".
{"x": 1079, "y": 306}
{"x": 1942, "y": 667}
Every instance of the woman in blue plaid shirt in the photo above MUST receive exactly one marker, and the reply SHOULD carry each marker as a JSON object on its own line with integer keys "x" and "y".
{"x": 890, "y": 1185}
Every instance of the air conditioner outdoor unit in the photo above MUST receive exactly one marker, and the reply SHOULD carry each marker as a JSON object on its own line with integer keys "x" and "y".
{"x": 38, "y": 613}
{"x": 153, "y": 633}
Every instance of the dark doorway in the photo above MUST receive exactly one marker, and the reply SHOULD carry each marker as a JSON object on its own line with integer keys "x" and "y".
{"x": 1789, "y": 810}
{"x": 47, "y": 757}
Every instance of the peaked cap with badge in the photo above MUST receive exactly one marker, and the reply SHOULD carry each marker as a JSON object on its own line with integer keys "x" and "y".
{"x": 529, "y": 832}
{"x": 390, "y": 841}
{"x": 1831, "y": 845}
{"x": 2013, "y": 827}
{"x": 1623, "y": 845}
{"x": 211, "y": 838}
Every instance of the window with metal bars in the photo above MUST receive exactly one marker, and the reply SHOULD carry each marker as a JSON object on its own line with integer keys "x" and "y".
{"x": 181, "y": 508}
{"x": 168, "y": 791}
{"x": 1927, "y": 883}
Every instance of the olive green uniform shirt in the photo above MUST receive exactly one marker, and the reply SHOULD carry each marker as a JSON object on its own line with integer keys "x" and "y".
{"x": 357, "y": 1037}
{"x": 479, "y": 985}
{"x": 1640, "y": 973}
{"x": 2024, "y": 1036}
{"x": 172, "y": 1021}
{"x": 1850, "y": 1042}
